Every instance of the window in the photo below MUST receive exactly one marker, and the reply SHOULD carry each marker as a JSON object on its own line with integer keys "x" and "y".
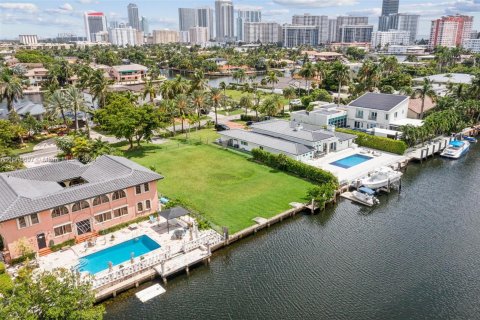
{"x": 59, "y": 211}
{"x": 373, "y": 115}
{"x": 244, "y": 143}
{"x": 61, "y": 230}
{"x": 100, "y": 199}
{"x": 22, "y": 222}
{"x": 34, "y": 218}
{"x": 105, "y": 216}
{"x": 395, "y": 115}
{"x": 138, "y": 189}
{"x": 359, "y": 114}
{"x": 80, "y": 205}
{"x": 119, "y": 195}
{"x": 120, "y": 212}
{"x": 386, "y": 116}
{"x": 146, "y": 187}
{"x": 147, "y": 205}
{"x": 139, "y": 207}
{"x": 356, "y": 124}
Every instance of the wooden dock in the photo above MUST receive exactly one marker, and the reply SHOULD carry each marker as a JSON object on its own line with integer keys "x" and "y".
{"x": 429, "y": 149}
{"x": 182, "y": 262}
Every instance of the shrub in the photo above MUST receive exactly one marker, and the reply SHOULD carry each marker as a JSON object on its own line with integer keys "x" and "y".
{"x": 375, "y": 142}
{"x": 56, "y": 247}
{"x": 2, "y": 268}
{"x": 23, "y": 258}
{"x": 284, "y": 163}
{"x": 6, "y": 284}
{"x": 124, "y": 225}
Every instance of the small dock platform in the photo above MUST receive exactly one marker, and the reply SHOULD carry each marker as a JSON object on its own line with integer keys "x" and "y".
{"x": 429, "y": 149}
{"x": 348, "y": 195}
{"x": 150, "y": 293}
{"x": 182, "y": 262}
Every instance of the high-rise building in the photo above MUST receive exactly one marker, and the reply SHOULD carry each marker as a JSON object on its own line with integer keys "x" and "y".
{"x": 450, "y": 31}
{"x": 196, "y": 17}
{"x": 133, "y": 17}
{"x": 332, "y": 30}
{"x": 122, "y": 36}
{"x": 244, "y": 16}
{"x": 94, "y": 22}
{"x": 298, "y": 35}
{"x": 348, "y": 21}
{"x": 165, "y": 36}
{"x": 144, "y": 25}
{"x": 355, "y": 33}
{"x": 400, "y": 21}
{"x": 28, "y": 38}
{"x": 263, "y": 32}
{"x": 198, "y": 35}
{"x": 390, "y": 7}
{"x": 309, "y": 20}
{"x": 113, "y": 24}
{"x": 224, "y": 21}
{"x": 381, "y": 39}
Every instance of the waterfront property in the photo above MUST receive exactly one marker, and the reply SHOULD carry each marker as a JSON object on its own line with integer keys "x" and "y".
{"x": 128, "y": 73}
{"x": 297, "y": 140}
{"x": 45, "y": 206}
{"x": 329, "y": 114}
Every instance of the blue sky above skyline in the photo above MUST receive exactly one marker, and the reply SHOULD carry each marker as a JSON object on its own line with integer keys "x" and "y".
{"x": 47, "y": 18}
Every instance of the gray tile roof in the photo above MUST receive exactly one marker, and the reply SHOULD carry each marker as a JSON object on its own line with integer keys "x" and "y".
{"x": 36, "y": 189}
{"x": 267, "y": 141}
{"x": 378, "y": 101}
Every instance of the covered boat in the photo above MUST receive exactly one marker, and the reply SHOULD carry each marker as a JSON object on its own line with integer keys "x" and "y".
{"x": 381, "y": 177}
{"x": 456, "y": 149}
{"x": 366, "y": 195}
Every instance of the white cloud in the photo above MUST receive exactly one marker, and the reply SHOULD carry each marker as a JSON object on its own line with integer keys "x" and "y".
{"x": 275, "y": 12}
{"x": 372, "y": 12}
{"x": 85, "y": 1}
{"x": 66, "y": 7}
{"x": 23, "y": 6}
{"x": 315, "y": 3}
{"x": 247, "y": 7}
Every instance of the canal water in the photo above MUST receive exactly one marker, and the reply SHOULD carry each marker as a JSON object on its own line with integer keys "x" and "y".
{"x": 415, "y": 256}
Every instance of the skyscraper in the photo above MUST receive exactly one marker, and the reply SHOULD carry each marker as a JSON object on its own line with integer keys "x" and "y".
{"x": 308, "y": 20}
{"x": 224, "y": 20}
{"x": 144, "y": 25}
{"x": 205, "y": 20}
{"x": 122, "y": 36}
{"x": 244, "y": 16}
{"x": 133, "y": 18}
{"x": 196, "y": 17}
{"x": 390, "y": 7}
{"x": 450, "y": 31}
{"x": 349, "y": 21}
{"x": 263, "y": 32}
{"x": 94, "y": 22}
{"x": 298, "y": 35}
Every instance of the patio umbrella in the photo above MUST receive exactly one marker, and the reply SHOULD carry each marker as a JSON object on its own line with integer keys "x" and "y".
{"x": 172, "y": 213}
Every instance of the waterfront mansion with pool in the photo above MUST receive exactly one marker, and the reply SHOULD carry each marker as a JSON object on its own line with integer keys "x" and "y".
{"x": 48, "y": 205}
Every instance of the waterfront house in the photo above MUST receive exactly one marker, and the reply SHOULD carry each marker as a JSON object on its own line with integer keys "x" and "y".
{"x": 48, "y": 205}
{"x": 128, "y": 72}
{"x": 328, "y": 114}
{"x": 297, "y": 140}
{"x": 377, "y": 110}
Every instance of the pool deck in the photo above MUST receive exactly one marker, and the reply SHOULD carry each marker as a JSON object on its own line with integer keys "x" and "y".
{"x": 347, "y": 175}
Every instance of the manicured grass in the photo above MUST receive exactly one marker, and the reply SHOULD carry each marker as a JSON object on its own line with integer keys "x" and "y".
{"x": 28, "y": 145}
{"x": 231, "y": 112}
{"x": 237, "y": 94}
{"x": 226, "y": 187}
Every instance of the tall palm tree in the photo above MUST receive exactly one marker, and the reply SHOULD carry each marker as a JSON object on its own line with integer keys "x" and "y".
{"x": 76, "y": 102}
{"x": 289, "y": 94}
{"x": 150, "y": 89}
{"x": 183, "y": 107}
{"x": 341, "y": 72}
{"x": 307, "y": 72}
{"x": 198, "y": 100}
{"x": 167, "y": 90}
{"x": 169, "y": 108}
{"x": 320, "y": 73}
{"x": 272, "y": 78}
{"x": 216, "y": 97}
{"x": 56, "y": 104}
{"x": 222, "y": 85}
{"x": 426, "y": 90}
{"x": 11, "y": 89}
{"x": 180, "y": 85}
{"x": 199, "y": 82}
{"x": 99, "y": 87}
{"x": 246, "y": 102}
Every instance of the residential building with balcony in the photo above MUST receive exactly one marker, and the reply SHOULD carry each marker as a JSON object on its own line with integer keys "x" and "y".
{"x": 128, "y": 72}
{"x": 45, "y": 206}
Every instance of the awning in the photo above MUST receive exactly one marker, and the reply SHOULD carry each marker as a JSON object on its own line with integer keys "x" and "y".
{"x": 173, "y": 213}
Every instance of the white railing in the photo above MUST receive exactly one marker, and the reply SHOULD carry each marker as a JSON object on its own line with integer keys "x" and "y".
{"x": 117, "y": 274}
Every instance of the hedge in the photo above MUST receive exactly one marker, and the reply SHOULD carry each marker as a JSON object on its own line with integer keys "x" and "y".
{"x": 125, "y": 224}
{"x": 284, "y": 163}
{"x": 6, "y": 284}
{"x": 375, "y": 142}
{"x": 2, "y": 268}
{"x": 59, "y": 246}
{"x": 21, "y": 259}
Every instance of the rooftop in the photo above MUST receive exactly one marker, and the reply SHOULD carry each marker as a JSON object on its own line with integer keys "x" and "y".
{"x": 448, "y": 78}
{"x": 378, "y": 101}
{"x": 130, "y": 67}
{"x": 36, "y": 189}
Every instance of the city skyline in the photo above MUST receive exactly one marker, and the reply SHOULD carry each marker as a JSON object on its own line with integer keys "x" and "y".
{"x": 48, "y": 18}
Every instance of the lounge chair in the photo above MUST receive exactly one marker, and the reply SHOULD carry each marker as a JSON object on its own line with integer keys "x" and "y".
{"x": 152, "y": 219}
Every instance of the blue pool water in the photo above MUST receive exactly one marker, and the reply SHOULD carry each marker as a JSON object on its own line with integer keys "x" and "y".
{"x": 117, "y": 254}
{"x": 351, "y": 161}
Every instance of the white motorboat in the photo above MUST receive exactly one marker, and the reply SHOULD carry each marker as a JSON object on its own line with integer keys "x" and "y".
{"x": 365, "y": 195}
{"x": 455, "y": 149}
{"x": 381, "y": 177}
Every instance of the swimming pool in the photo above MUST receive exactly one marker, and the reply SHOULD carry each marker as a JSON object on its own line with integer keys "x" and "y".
{"x": 117, "y": 254}
{"x": 351, "y": 161}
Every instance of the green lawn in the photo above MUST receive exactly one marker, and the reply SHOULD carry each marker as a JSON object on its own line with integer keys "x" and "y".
{"x": 237, "y": 94}
{"x": 224, "y": 186}
{"x": 28, "y": 145}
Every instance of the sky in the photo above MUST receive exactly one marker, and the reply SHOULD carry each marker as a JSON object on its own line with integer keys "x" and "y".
{"x": 48, "y": 18}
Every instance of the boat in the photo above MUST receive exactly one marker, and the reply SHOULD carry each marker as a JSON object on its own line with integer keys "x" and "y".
{"x": 455, "y": 149}
{"x": 470, "y": 139}
{"x": 365, "y": 195}
{"x": 381, "y": 177}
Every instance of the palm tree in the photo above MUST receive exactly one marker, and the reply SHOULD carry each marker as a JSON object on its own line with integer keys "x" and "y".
{"x": 11, "y": 89}
{"x": 246, "y": 102}
{"x": 76, "y": 102}
{"x": 183, "y": 106}
{"x": 199, "y": 82}
{"x": 271, "y": 105}
{"x": 56, "y": 104}
{"x": 239, "y": 75}
{"x": 320, "y": 73}
{"x": 426, "y": 90}
{"x": 169, "y": 108}
{"x": 167, "y": 90}
{"x": 222, "y": 85}
{"x": 272, "y": 78}
{"x": 216, "y": 97}
{"x": 150, "y": 89}
{"x": 307, "y": 72}
{"x": 99, "y": 87}
{"x": 198, "y": 99}
{"x": 256, "y": 106}
{"x": 289, "y": 94}
{"x": 340, "y": 72}
{"x": 180, "y": 85}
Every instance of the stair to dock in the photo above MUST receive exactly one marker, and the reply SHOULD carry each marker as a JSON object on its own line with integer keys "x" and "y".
{"x": 44, "y": 251}
{"x": 86, "y": 237}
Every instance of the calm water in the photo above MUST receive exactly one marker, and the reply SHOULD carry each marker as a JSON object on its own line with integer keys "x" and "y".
{"x": 416, "y": 256}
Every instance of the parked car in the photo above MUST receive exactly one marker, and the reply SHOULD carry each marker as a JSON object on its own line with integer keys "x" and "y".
{"x": 221, "y": 127}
